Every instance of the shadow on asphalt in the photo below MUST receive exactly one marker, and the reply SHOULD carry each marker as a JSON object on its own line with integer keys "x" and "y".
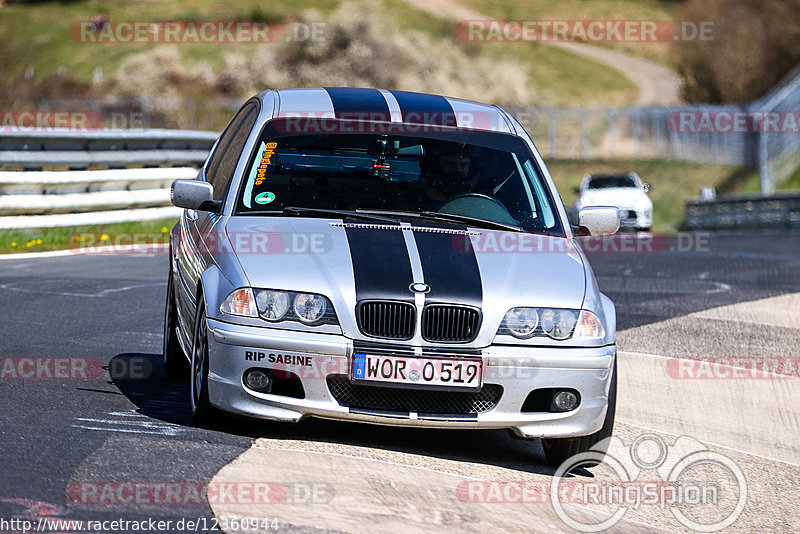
{"x": 142, "y": 379}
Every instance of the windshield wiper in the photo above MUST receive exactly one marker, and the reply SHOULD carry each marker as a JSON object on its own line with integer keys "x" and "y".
{"x": 341, "y": 214}
{"x": 435, "y": 215}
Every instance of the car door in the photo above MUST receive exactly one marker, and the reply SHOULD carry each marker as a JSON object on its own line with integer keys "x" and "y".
{"x": 193, "y": 254}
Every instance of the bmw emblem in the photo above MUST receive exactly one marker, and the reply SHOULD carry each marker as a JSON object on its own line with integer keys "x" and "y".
{"x": 418, "y": 287}
{"x": 414, "y": 375}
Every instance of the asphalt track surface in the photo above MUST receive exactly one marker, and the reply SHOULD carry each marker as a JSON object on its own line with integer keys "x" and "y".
{"x": 56, "y": 433}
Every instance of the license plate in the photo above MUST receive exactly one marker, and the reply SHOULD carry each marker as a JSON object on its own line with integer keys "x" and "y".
{"x": 450, "y": 372}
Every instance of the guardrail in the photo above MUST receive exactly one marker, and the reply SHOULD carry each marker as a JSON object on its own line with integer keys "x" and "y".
{"x": 141, "y": 166}
{"x": 744, "y": 212}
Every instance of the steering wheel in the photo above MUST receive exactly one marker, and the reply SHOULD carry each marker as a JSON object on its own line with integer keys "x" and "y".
{"x": 477, "y": 205}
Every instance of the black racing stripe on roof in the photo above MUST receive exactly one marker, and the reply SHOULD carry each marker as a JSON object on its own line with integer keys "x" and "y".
{"x": 359, "y": 104}
{"x": 420, "y": 108}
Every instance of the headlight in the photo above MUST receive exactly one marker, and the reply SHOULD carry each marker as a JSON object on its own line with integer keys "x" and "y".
{"x": 555, "y": 323}
{"x": 521, "y": 322}
{"x": 309, "y": 308}
{"x": 240, "y": 302}
{"x": 272, "y": 305}
{"x": 558, "y": 324}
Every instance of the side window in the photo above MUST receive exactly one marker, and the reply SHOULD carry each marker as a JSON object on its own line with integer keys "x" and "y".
{"x": 226, "y": 156}
{"x": 223, "y": 142}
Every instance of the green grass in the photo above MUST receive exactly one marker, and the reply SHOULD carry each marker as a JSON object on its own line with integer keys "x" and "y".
{"x": 563, "y": 79}
{"x": 69, "y": 237}
{"x": 672, "y": 182}
{"x": 749, "y": 181}
{"x": 554, "y": 76}
{"x": 793, "y": 182}
{"x": 657, "y": 10}
{"x": 45, "y": 42}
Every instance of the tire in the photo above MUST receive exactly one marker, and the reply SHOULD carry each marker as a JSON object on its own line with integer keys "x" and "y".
{"x": 558, "y": 450}
{"x": 175, "y": 362}
{"x": 202, "y": 410}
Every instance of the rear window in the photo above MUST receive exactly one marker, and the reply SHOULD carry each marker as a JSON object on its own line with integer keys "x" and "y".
{"x": 608, "y": 182}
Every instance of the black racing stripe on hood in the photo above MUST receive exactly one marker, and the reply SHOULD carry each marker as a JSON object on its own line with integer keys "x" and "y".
{"x": 419, "y": 108}
{"x": 381, "y": 266}
{"x": 359, "y": 104}
{"x": 450, "y": 268}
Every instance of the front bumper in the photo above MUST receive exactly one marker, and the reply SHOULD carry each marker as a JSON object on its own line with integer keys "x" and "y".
{"x": 632, "y": 218}
{"x": 314, "y": 357}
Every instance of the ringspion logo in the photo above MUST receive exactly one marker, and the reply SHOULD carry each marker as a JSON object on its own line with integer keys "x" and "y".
{"x": 691, "y": 479}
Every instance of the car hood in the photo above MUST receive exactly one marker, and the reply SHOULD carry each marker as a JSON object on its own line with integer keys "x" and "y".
{"x": 350, "y": 262}
{"x": 618, "y": 196}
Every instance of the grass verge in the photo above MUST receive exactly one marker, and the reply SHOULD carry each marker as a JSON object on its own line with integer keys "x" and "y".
{"x": 69, "y": 237}
{"x": 616, "y": 10}
{"x": 672, "y": 182}
{"x": 423, "y": 54}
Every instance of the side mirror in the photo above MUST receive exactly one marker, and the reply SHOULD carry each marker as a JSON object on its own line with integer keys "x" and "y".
{"x": 599, "y": 220}
{"x": 646, "y": 187}
{"x": 193, "y": 195}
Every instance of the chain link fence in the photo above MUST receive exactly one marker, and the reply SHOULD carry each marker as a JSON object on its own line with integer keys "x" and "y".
{"x": 656, "y": 133}
{"x": 779, "y": 132}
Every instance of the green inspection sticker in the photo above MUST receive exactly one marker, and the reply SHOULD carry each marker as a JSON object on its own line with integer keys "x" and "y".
{"x": 265, "y": 197}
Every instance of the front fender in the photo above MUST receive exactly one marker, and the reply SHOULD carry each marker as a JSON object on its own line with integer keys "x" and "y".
{"x": 215, "y": 288}
{"x": 609, "y": 318}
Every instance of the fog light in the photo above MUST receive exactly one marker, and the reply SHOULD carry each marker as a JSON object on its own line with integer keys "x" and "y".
{"x": 259, "y": 380}
{"x": 564, "y": 401}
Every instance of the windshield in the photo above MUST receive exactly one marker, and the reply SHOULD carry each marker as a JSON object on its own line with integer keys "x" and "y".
{"x": 481, "y": 175}
{"x": 608, "y": 182}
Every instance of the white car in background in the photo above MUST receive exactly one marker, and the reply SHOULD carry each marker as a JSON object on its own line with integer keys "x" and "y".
{"x": 625, "y": 191}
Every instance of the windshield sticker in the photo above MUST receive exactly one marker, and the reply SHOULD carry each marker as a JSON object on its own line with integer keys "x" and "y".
{"x": 264, "y": 198}
{"x": 266, "y": 159}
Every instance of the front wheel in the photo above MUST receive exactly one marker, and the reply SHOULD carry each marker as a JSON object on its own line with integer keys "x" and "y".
{"x": 175, "y": 362}
{"x": 202, "y": 410}
{"x": 558, "y": 450}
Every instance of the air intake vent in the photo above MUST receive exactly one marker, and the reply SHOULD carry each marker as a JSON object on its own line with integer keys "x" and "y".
{"x": 387, "y": 319}
{"x": 422, "y": 401}
{"x": 450, "y": 323}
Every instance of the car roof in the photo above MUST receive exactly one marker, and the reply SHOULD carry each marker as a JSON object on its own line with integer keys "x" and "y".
{"x": 382, "y": 105}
